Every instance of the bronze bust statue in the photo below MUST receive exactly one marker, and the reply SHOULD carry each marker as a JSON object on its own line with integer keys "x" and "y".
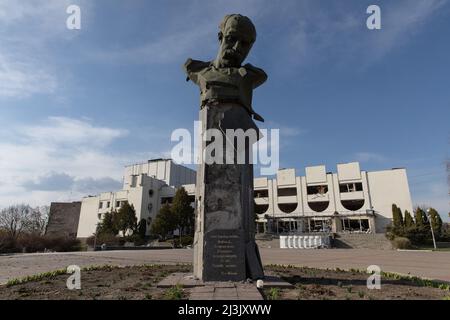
{"x": 225, "y": 80}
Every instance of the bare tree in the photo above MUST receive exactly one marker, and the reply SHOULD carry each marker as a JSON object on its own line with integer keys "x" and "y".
{"x": 38, "y": 220}
{"x": 15, "y": 219}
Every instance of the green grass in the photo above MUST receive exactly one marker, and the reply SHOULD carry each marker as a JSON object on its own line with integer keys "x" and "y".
{"x": 106, "y": 267}
{"x": 387, "y": 275}
{"x": 37, "y": 277}
{"x": 174, "y": 293}
{"x": 274, "y": 294}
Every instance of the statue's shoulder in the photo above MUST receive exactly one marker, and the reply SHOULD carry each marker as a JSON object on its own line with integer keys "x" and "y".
{"x": 259, "y": 76}
{"x": 195, "y": 66}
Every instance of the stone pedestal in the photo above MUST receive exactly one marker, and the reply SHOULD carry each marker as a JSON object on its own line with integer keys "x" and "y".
{"x": 224, "y": 243}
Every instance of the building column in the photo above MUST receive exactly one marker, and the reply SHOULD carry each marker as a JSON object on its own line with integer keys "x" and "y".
{"x": 336, "y": 225}
{"x": 372, "y": 224}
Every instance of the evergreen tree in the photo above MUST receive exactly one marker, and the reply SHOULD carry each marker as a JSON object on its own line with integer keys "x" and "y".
{"x": 397, "y": 220}
{"x": 125, "y": 219}
{"x": 182, "y": 211}
{"x": 106, "y": 226}
{"x": 164, "y": 222}
{"x": 409, "y": 222}
{"x": 142, "y": 228}
{"x": 436, "y": 222}
{"x": 420, "y": 218}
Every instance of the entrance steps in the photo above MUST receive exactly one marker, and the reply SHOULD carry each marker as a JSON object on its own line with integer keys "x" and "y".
{"x": 339, "y": 240}
{"x": 361, "y": 241}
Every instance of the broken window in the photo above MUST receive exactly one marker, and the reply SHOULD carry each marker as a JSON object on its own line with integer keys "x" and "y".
{"x": 350, "y": 187}
{"x": 355, "y": 225}
{"x": 261, "y": 193}
{"x": 166, "y": 200}
{"x": 322, "y": 189}
{"x": 320, "y": 225}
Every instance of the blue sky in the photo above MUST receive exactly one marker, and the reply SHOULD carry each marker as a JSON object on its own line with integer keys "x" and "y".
{"x": 76, "y": 106}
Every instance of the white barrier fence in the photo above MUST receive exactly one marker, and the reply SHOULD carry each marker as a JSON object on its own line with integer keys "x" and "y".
{"x": 304, "y": 242}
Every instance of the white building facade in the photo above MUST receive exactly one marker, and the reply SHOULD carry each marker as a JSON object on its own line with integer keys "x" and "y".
{"x": 145, "y": 186}
{"x": 350, "y": 200}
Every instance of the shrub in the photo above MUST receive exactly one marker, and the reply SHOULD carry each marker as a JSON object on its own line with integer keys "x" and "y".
{"x": 7, "y": 243}
{"x": 401, "y": 243}
{"x": 108, "y": 239}
{"x": 136, "y": 239}
{"x": 36, "y": 243}
{"x": 185, "y": 241}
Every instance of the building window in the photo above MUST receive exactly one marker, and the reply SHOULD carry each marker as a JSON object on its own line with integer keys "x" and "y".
{"x": 150, "y": 207}
{"x": 166, "y": 200}
{"x": 355, "y": 225}
{"x": 322, "y": 189}
{"x": 350, "y": 187}
{"x": 100, "y": 205}
{"x": 287, "y": 192}
{"x": 118, "y": 204}
{"x": 150, "y": 193}
{"x": 261, "y": 193}
{"x": 99, "y": 216}
{"x": 133, "y": 181}
{"x": 108, "y": 204}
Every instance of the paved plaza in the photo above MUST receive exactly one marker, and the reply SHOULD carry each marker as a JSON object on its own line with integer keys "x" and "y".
{"x": 432, "y": 265}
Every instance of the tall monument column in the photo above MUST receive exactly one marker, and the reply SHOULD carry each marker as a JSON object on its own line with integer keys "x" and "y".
{"x": 224, "y": 242}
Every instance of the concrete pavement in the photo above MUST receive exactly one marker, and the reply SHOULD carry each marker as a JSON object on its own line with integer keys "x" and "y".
{"x": 432, "y": 265}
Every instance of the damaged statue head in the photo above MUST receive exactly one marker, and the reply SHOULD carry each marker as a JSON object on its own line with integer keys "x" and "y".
{"x": 225, "y": 80}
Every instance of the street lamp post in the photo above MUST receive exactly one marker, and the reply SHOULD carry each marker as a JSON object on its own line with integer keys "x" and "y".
{"x": 431, "y": 227}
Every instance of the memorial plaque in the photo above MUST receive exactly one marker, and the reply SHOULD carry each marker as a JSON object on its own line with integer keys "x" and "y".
{"x": 224, "y": 251}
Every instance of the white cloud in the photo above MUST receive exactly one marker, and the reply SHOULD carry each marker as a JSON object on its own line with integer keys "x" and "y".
{"x": 338, "y": 35}
{"x": 55, "y": 181}
{"x": 69, "y": 155}
{"x": 22, "y": 79}
{"x": 401, "y": 22}
{"x": 191, "y": 31}
{"x": 27, "y": 28}
{"x": 369, "y": 157}
{"x": 163, "y": 49}
{"x": 433, "y": 193}
{"x": 62, "y": 130}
